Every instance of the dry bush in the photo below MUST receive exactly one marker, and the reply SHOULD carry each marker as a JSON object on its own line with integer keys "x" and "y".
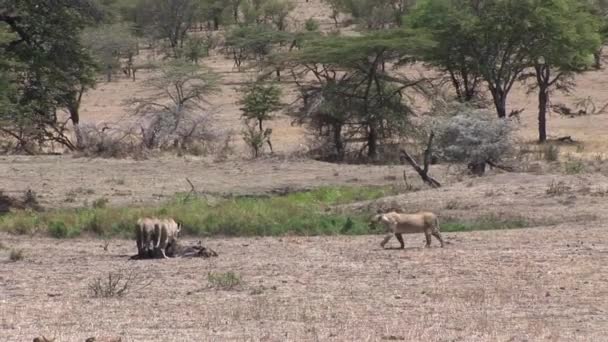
{"x": 189, "y": 133}
{"x": 557, "y": 188}
{"x": 109, "y": 141}
{"x": 224, "y": 281}
{"x": 16, "y": 255}
{"x": 117, "y": 284}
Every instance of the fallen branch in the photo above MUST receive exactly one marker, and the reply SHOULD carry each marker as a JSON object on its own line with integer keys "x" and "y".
{"x": 500, "y": 167}
{"x": 423, "y": 171}
{"x": 192, "y": 190}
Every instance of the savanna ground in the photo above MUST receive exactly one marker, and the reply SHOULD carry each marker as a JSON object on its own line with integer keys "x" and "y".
{"x": 512, "y": 285}
{"x": 544, "y": 283}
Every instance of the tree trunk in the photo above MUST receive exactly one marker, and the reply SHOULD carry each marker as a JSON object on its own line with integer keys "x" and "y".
{"x": 216, "y": 23}
{"x": 338, "y": 143}
{"x": 74, "y": 110}
{"x": 543, "y": 100}
{"x": 109, "y": 73}
{"x": 597, "y": 56}
{"x": 543, "y": 81}
{"x": 477, "y": 169}
{"x": 500, "y": 102}
{"x": 372, "y": 143}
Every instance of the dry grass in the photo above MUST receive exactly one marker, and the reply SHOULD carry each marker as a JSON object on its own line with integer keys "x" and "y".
{"x": 530, "y": 284}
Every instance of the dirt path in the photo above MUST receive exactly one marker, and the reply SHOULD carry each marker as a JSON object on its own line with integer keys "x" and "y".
{"x": 531, "y": 284}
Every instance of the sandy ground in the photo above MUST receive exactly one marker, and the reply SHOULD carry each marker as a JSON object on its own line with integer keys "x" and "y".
{"x": 64, "y": 181}
{"x": 520, "y": 285}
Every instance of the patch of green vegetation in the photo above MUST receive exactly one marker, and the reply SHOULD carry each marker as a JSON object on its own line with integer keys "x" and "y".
{"x": 302, "y": 213}
{"x": 574, "y": 167}
{"x": 489, "y": 222}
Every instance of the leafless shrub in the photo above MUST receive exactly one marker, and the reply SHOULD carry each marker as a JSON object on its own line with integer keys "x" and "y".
{"x": 110, "y": 141}
{"x": 117, "y": 284}
{"x": 16, "y": 255}
{"x": 225, "y": 148}
{"x": 557, "y": 188}
{"x": 582, "y": 106}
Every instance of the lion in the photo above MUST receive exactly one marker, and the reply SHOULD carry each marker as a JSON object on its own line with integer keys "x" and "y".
{"x": 166, "y": 232}
{"x": 144, "y": 236}
{"x": 398, "y": 224}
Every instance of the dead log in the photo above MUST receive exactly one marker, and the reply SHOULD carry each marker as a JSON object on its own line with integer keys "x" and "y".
{"x": 424, "y": 170}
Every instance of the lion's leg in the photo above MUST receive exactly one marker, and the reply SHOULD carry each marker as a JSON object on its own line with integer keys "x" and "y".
{"x": 386, "y": 238}
{"x": 140, "y": 244}
{"x": 400, "y": 238}
{"x": 162, "y": 243}
{"x": 437, "y": 234}
{"x": 427, "y": 234}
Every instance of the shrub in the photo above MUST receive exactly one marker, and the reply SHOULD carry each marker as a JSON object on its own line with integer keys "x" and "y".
{"x": 224, "y": 281}
{"x": 474, "y": 137}
{"x": 117, "y": 284}
{"x": 16, "y": 255}
{"x": 311, "y": 25}
{"x": 550, "y": 152}
{"x": 574, "y": 167}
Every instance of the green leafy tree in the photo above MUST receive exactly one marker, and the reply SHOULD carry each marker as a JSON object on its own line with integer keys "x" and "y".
{"x": 169, "y": 19}
{"x": 354, "y": 95}
{"x": 109, "y": 44}
{"x": 452, "y": 26}
{"x": 260, "y": 101}
{"x": 599, "y": 8}
{"x": 47, "y": 66}
{"x": 372, "y": 14}
{"x": 567, "y": 36}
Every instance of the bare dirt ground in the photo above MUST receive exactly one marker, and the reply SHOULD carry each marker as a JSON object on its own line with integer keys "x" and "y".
{"x": 520, "y": 285}
{"x": 70, "y": 182}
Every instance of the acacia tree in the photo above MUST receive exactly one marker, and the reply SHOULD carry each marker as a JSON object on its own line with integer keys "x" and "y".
{"x": 351, "y": 69}
{"x": 599, "y": 8}
{"x": 492, "y": 40}
{"x": 109, "y": 44}
{"x": 169, "y": 19}
{"x": 567, "y": 36}
{"x": 449, "y": 24}
{"x": 174, "y": 113}
{"x": 372, "y": 14}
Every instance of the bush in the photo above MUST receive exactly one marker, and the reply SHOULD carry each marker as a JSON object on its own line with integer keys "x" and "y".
{"x": 224, "y": 281}
{"x": 59, "y": 230}
{"x": 117, "y": 284}
{"x": 474, "y": 137}
{"x": 550, "y": 152}
{"x": 16, "y": 255}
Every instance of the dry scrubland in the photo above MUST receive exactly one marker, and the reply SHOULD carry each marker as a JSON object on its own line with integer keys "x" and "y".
{"x": 544, "y": 283}
{"x": 518, "y": 285}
